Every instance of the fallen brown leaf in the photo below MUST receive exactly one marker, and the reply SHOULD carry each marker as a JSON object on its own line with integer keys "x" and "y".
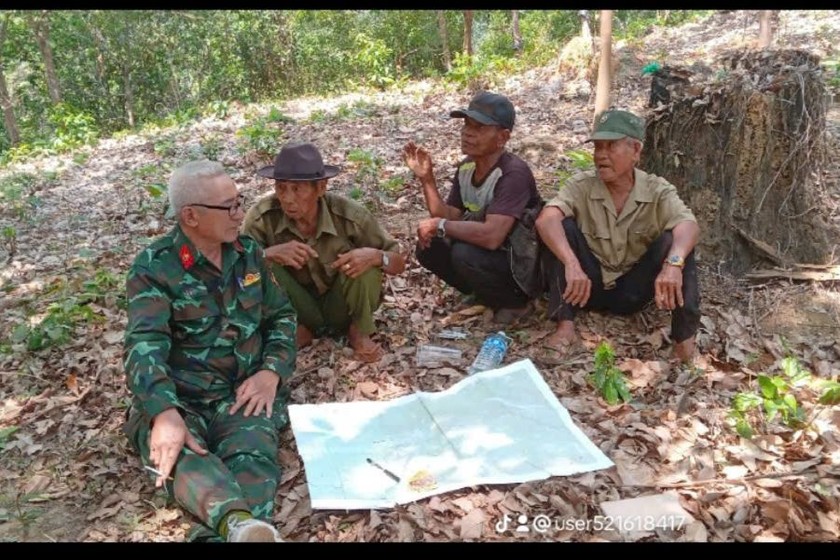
{"x": 472, "y": 525}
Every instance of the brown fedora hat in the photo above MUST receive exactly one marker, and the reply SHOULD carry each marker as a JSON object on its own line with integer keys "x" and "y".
{"x": 299, "y": 161}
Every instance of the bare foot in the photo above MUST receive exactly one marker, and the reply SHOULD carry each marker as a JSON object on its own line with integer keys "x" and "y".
{"x": 563, "y": 338}
{"x": 304, "y": 336}
{"x": 366, "y": 350}
{"x": 685, "y": 350}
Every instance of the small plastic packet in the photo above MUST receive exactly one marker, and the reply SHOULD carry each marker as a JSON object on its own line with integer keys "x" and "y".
{"x": 452, "y": 334}
{"x": 429, "y": 355}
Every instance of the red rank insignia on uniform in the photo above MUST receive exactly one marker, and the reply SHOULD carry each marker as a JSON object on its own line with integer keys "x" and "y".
{"x": 187, "y": 258}
{"x": 239, "y": 246}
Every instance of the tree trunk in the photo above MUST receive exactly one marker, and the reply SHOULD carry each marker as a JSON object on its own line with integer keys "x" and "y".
{"x": 602, "y": 95}
{"x": 765, "y": 29}
{"x": 468, "y": 20}
{"x": 5, "y": 99}
{"x": 444, "y": 39}
{"x": 750, "y": 160}
{"x": 101, "y": 70}
{"x": 129, "y": 95}
{"x": 586, "y": 28}
{"x": 9, "y": 119}
{"x": 41, "y": 29}
{"x": 517, "y": 36}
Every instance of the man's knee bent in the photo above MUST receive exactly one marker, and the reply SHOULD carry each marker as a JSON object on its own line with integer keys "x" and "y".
{"x": 465, "y": 259}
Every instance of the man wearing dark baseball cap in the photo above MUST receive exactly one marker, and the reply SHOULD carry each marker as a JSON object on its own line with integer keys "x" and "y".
{"x": 617, "y": 237}
{"x": 329, "y": 252}
{"x": 489, "y": 108}
{"x": 481, "y": 240}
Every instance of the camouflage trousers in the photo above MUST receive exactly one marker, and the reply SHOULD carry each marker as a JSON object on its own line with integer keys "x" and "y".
{"x": 348, "y": 299}
{"x": 240, "y": 472}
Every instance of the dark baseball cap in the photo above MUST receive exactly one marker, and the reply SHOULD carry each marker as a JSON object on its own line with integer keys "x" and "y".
{"x": 615, "y": 125}
{"x": 489, "y": 108}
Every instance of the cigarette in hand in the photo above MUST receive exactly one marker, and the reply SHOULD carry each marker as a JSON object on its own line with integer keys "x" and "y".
{"x": 157, "y": 472}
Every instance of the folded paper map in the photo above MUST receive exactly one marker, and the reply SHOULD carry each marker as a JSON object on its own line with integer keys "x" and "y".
{"x": 499, "y": 426}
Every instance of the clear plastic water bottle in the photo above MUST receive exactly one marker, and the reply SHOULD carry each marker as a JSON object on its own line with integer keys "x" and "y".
{"x": 492, "y": 353}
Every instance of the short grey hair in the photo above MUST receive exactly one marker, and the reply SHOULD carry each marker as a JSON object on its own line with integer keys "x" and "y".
{"x": 633, "y": 141}
{"x": 186, "y": 181}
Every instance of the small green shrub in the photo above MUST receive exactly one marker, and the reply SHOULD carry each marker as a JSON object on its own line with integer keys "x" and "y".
{"x": 261, "y": 136}
{"x": 580, "y": 160}
{"x": 607, "y": 378}
{"x": 778, "y": 396}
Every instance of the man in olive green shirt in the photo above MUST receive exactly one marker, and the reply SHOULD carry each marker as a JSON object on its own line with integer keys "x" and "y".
{"x": 618, "y": 237}
{"x": 209, "y": 338}
{"x": 329, "y": 251}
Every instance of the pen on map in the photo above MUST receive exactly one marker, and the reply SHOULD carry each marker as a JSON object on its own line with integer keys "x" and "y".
{"x": 391, "y": 475}
{"x": 157, "y": 472}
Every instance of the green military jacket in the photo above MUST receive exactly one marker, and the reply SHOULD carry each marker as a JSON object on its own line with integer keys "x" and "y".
{"x": 343, "y": 225}
{"x": 194, "y": 334}
{"x": 618, "y": 242}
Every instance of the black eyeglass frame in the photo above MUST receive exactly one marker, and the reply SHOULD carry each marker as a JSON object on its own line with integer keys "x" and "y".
{"x": 232, "y": 209}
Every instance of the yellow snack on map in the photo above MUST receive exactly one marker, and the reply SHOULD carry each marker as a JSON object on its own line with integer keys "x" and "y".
{"x": 422, "y": 480}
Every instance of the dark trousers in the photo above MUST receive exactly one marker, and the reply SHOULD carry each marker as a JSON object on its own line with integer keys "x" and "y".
{"x": 473, "y": 270}
{"x": 632, "y": 291}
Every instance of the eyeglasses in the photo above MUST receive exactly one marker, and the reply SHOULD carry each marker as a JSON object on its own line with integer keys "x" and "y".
{"x": 232, "y": 209}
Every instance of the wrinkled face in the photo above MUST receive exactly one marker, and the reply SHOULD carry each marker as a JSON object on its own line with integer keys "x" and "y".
{"x": 479, "y": 140}
{"x": 216, "y": 225}
{"x": 615, "y": 159}
{"x": 299, "y": 199}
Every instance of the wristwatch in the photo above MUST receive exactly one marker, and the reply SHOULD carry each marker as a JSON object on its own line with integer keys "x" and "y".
{"x": 441, "y": 228}
{"x": 386, "y": 260}
{"x": 675, "y": 260}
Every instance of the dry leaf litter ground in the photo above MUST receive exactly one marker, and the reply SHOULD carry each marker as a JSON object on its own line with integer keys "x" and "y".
{"x": 67, "y": 473}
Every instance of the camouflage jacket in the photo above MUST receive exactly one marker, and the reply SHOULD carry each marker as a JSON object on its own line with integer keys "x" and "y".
{"x": 195, "y": 334}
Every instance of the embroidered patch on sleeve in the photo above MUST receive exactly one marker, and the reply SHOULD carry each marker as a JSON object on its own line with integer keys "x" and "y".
{"x": 251, "y": 279}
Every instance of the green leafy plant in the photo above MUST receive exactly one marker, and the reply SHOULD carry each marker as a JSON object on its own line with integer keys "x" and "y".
{"x": 19, "y": 507}
{"x": 10, "y": 239}
{"x": 367, "y": 165}
{"x": 261, "y": 136}
{"x": 318, "y": 116}
{"x": 71, "y": 307}
{"x": 17, "y": 194}
{"x": 275, "y": 115}
{"x": 73, "y": 127}
{"x": 219, "y": 108}
{"x": 607, "y": 378}
{"x": 5, "y": 434}
{"x": 579, "y": 160}
{"x": 393, "y": 184}
{"x": 165, "y": 147}
{"x": 830, "y": 391}
{"x": 777, "y": 397}
{"x": 356, "y": 193}
{"x": 359, "y": 109}
{"x": 212, "y": 147}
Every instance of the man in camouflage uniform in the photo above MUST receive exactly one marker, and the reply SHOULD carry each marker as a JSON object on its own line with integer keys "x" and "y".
{"x": 329, "y": 252}
{"x": 209, "y": 338}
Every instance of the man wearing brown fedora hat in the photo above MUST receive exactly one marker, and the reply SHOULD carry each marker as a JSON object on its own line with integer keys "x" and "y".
{"x": 618, "y": 237}
{"x": 329, "y": 251}
{"x": 481, "y": 239}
